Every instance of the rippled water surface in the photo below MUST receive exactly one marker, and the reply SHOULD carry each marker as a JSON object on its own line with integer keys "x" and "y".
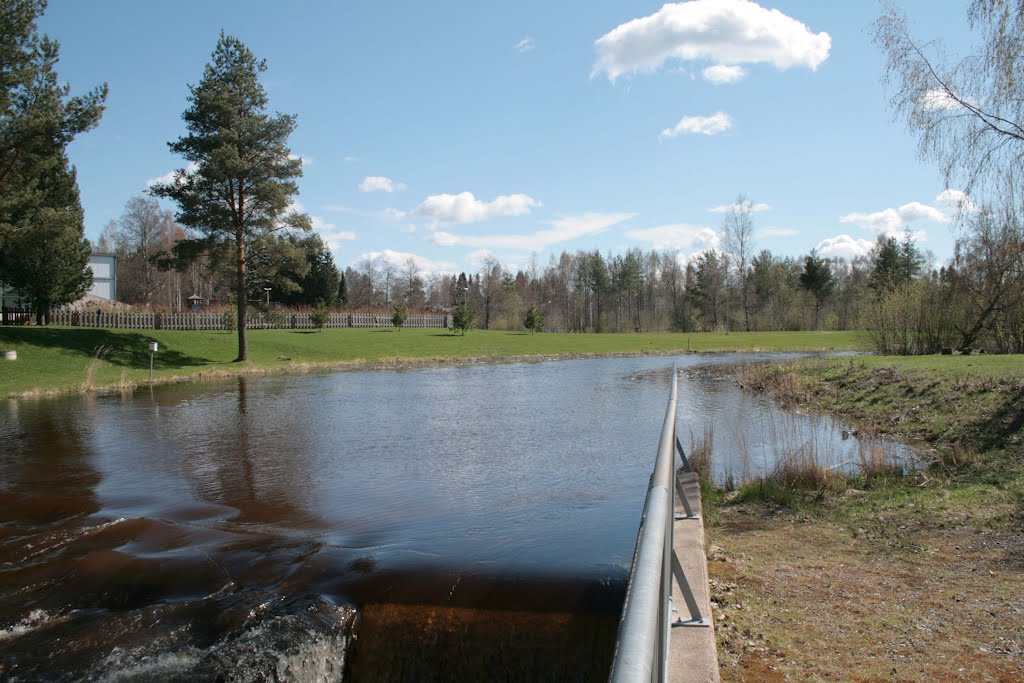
{"x": 248, "y": 529}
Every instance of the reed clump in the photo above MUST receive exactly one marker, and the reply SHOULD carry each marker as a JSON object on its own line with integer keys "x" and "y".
{"x": 701, "y": 453}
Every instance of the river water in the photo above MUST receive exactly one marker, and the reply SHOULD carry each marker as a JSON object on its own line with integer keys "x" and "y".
{"x": 428, "y": 524}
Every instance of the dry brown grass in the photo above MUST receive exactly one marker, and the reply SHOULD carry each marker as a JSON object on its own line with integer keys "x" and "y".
{"x": 97, "y": 360}
{"x": 800, "y": 600}
{"x": 701, "y": 452}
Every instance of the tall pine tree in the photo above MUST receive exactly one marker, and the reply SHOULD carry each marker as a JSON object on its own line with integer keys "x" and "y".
{"x": 244, "y": 174}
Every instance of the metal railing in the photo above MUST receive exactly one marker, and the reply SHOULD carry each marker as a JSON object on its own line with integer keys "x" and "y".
{"x": 641, "y": 651}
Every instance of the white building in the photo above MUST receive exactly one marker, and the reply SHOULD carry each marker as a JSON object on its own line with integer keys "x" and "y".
{"x": 104, "y": 276}
{"x": 104, "y": 283}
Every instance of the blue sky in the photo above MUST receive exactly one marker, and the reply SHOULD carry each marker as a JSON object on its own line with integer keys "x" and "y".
{"x": 453, "y": 130}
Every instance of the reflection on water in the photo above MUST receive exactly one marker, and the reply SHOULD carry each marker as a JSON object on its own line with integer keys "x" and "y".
{"x": 236, "y": 527}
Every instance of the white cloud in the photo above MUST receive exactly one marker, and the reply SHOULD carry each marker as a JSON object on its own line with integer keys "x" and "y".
{"x": 682, "y": 236}
{"x": 526, "y": 44}
{"x": 844, "y": 246}
{"x": 728, "y": 32}
{"x": 893, "y": 221}
{"x": 350, "y": 159}
{"x": 333, "y": 236}
{"x": 562, "y": 230}
{"x": 956, "y": 199}
{"x": 704, "y": 125}
{"x": 778, "y": 232}
{"x": 190, "y": 168}
{"x": 465, "y": 208}
{"x": 376, "y": 183}
{"x": 399, "y": 259}
{"x": 306, "y": 161}
{"x": 721, "y": 73}
{"x": 410, "y": 227}
{"x": 750, "y": 206}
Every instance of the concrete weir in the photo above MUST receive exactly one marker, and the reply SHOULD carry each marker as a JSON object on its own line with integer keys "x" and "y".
{"x": 692, "y": 657}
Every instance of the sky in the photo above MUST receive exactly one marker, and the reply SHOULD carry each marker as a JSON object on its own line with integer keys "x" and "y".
{"x": 449, "y": 132}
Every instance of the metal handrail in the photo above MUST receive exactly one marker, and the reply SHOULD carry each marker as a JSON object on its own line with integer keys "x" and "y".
{"x": 641, "y": 650}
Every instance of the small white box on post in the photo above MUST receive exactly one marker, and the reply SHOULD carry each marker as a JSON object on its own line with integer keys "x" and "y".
{"x": 153, "y": 346}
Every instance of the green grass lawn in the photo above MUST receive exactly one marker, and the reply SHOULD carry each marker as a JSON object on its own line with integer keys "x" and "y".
{"x": 64, "y": 359}
{"x": 953, "y": 366}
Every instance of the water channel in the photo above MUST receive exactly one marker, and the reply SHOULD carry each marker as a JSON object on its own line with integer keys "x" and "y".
{"x": 427, "y": 524}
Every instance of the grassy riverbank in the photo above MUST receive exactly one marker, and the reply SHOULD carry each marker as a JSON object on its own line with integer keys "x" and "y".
{"x": 54, "y": 360}
{"x": 910, "y": 578}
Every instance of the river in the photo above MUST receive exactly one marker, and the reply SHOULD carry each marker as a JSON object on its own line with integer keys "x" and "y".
{"x": 427, "y": 524}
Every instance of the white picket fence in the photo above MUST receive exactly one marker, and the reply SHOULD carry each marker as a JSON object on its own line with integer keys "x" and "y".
{"x": 216, "y": 321}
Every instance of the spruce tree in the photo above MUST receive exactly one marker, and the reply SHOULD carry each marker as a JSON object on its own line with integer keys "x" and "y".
{"x": 38, "y": 189}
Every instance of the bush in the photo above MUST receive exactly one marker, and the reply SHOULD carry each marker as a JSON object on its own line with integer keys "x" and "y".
{"x": 399, "y": 316}
{"x": 320, "y": 315}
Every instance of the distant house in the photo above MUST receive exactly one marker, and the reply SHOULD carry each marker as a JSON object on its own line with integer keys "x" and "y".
{"x": 104, "y": 284}
{"x": 104, "y": 276}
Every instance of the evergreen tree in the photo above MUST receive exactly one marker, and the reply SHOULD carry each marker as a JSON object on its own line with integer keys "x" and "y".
{"x": 399, "y": 315}
{"x": 709, "y": 288}
{"x": 321, "y": 314}
{"x": 817, "y": 278}
{"x": 48, "y": 259}
{"x": 244, "y": 174}
{"x": 534, "y": 319}
{"x": 38, "y": 119}
{"x": 343, "y": 289}
{"x": 462, "y": 317}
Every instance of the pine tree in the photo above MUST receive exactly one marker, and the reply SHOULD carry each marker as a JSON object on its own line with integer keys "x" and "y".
{"x": 244, "y": 174}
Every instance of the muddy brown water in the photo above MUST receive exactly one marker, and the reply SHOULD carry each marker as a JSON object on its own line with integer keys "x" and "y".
{"x": 432, "y": 524}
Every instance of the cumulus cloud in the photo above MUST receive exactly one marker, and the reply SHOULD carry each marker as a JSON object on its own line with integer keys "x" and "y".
{"x": 703, "y": 125}
{"x": 957, "y": 200}
{"x": 377, "y": 183}
{"x": 465, "y": 208}
{"x": 727, "y": 32}
{"x": 526, "y": 44}
{"x": 561, "y": 230}
{"x": 721, "y": 73}
{"x": 681, "y": 236}
{"x": 333, "y": 236}
{"x": 844, "y": 246}
{"x": 400, "y": 258}
{"x": 893, "y": 221}
{"x": 748, "y": 204}
{"x": 190, "y": 168}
